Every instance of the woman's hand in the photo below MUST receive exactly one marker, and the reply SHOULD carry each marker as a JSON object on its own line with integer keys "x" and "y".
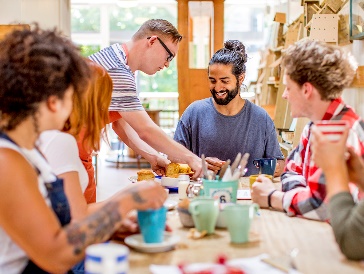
{"x": 143, "y": 195}
{"x": 328, "y": 155}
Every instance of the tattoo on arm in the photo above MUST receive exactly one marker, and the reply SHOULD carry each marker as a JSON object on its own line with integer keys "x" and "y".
{"x": 96, "y": 228}
{"x": 137, "y": 198}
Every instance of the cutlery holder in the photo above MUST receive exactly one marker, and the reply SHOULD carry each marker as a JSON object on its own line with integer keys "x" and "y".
{"x": 225, "y": 192}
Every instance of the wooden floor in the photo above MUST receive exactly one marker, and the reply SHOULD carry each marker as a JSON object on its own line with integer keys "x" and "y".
{"x": 111, "y": 179}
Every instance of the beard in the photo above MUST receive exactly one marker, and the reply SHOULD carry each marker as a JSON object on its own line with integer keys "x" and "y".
{"x": 231, "y": 94}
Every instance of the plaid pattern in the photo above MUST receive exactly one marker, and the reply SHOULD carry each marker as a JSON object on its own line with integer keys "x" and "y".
{"x": 302, "y": 181}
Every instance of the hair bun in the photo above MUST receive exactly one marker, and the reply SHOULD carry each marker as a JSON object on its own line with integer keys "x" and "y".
{"x": 237, "y": 46}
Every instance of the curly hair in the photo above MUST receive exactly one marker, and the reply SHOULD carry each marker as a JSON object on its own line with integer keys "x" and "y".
{"x": 34, "y": 65}
{"x": 233, "y": 54}
{"x": 328, "y": 68}
{"x": 160, "y": 27}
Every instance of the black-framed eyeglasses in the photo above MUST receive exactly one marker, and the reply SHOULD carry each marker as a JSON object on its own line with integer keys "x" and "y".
{"x": 171, "y": 56}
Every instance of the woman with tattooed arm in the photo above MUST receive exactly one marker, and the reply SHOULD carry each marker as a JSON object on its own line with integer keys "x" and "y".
{"x": 40, "y": 74}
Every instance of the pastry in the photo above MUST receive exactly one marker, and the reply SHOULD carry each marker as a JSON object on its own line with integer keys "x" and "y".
{"x": 145, "y": 175}
{"x": 172, "y": 170}
{"x": 184, "y": 168}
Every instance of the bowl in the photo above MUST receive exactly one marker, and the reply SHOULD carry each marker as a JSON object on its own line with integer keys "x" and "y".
{"x": 169, "y": 181}
{"x": 185, "y": 217}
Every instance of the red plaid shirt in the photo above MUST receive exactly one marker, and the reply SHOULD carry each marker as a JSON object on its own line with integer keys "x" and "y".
{"x": 302, "y": 181}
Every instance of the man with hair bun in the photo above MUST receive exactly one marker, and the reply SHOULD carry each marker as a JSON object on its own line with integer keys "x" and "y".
{"x": 225, "y": 124}
{"x": 315, "y": 76}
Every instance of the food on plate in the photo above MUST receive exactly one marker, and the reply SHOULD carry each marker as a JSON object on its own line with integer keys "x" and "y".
{"x": 184, "y": 168}
{"x": 185, "y": 203}
{"x": 145, "y": 174}
{"x": 195, "y": 234}
{"x": 173, "y": 170}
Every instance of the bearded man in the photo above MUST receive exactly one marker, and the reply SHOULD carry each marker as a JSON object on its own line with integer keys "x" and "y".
{"x": 225, "y": 124}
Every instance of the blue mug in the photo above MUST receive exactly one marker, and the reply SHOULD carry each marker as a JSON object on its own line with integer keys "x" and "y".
{"x": 266, "y": 165}
{"x": 152, "y": 224}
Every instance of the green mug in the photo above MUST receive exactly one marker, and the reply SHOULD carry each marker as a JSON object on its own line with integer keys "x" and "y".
{"x": 238, "y": 219}
{"x": 204, "y": 213}
{"x": 224, "y": 192}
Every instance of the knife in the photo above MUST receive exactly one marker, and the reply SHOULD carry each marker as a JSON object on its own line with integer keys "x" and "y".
{"x": 224, "y": 168}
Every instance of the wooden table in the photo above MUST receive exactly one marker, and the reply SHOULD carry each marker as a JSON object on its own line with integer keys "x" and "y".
{"x": 279, "y": 234}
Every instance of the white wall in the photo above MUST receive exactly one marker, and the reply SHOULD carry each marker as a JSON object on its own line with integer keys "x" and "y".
{"x": 48, "y": 13}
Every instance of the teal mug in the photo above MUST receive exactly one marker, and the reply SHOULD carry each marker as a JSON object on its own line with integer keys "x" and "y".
{"x": 152, "y": 224}
{"x": 266, "y": 165}
{"x": 238, "y": 220}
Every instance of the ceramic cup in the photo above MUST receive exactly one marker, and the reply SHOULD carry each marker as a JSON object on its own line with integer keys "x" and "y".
{"x": 204, "y": 213}
{"x": 184, "y": 181}
{"x": 238, "y": 219}
{"x": 152, "y": 224}
{"x": 265, "y": 165}
{"x": 331, "y": 129}
{"x": 106, "y": 258}
{"x": 253, "y": 178}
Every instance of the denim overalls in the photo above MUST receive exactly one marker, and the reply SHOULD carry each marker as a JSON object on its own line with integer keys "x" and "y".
{"x": 60, "y": 207}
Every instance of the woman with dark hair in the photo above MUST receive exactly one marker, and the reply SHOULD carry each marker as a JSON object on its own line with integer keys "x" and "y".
{"x": 40, "y": 74}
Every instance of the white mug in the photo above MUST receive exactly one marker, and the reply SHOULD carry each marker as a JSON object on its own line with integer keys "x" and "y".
{"x": 107, "y": 258}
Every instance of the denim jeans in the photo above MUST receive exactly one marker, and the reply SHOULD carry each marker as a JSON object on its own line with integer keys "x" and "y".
{"x": 61, "y": 208}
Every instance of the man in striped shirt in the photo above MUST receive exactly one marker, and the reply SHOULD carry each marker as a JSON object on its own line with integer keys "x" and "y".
{"x": 150, "y": 50}
{"x": 315, "y": 76}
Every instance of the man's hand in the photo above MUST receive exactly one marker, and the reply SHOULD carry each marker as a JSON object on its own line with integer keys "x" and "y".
{"x": 260, "y": 190}
{"x": 158, "y": 163}
{"x": 196, "y": 165}
{"x": 214, "y": 164}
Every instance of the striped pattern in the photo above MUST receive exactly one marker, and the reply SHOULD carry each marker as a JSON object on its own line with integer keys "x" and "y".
{"x": 124, "y": 95}
{"x": 303, "y": 182}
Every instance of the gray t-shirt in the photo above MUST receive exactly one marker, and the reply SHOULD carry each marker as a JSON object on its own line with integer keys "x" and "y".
{"x": 203, "y": 130}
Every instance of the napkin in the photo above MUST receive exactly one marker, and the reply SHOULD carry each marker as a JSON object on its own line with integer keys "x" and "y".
{"x": 253, "y": 265}
{"x": 227, "y": 176}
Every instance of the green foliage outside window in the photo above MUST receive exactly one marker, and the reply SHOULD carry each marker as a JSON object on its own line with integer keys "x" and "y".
{"x": 87, "y": 50}
{"x": 85, "y": 19}
{"x": 127, "y": 21}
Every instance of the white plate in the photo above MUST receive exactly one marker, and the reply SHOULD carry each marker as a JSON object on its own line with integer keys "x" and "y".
{"x": 136, "y": 242}
{"x": 170, "y": 204}
{"x": 133, "y": 179}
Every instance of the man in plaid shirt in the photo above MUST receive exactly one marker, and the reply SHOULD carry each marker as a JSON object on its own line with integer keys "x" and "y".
{"x": 315, "y": 76}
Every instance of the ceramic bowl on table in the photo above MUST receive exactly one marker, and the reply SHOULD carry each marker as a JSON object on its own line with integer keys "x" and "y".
{"x": 185, "y": 217}
{"x": 169, "y": 181}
